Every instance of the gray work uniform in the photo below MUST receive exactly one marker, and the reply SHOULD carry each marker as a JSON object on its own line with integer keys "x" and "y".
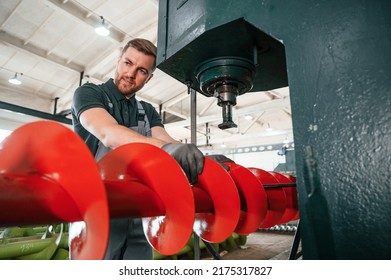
{"x": 127, "y": 239}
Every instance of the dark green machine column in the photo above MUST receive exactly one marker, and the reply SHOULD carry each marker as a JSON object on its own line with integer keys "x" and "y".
{"x": 338, "y": 66}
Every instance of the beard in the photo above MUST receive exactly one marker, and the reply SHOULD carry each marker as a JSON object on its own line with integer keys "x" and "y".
{"x": 126, "y": 86}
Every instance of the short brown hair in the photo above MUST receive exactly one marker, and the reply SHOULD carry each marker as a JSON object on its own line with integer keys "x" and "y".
{"x": 142, "y": 45}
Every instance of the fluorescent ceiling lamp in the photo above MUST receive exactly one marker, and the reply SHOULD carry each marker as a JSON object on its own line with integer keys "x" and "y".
{"x": 102, "y": 29}
{"x": 14, "y": 80}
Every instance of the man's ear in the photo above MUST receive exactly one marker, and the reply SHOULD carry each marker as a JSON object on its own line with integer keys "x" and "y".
{"x": 150, "y": 77}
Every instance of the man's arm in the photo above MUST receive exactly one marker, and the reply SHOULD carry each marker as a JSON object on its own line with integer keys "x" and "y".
{"x": 160, "y": 133}
{"x": 104, "y": 127}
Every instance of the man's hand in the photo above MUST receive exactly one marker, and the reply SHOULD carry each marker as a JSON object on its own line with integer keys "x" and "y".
{"x": 221, "y": 159}
{"x": 189, "y": 157}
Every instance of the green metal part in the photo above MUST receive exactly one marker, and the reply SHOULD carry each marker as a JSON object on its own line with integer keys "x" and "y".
{"x": 336, "y": 56}
{"x": 233, "y": 39}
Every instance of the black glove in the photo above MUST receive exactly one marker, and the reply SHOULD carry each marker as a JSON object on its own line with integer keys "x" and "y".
{"x": 189, "y": 157}
{"x": 221, "y": 159}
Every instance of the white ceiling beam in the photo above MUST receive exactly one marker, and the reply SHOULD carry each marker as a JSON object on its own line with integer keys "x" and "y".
{"x": 183, "y": 116}
{"x": 84, "y": 16}
{"x": 272, "y": 92}
{"x": 108, "y": 57}
{"x": 175, "y": 99}
{"x": 32, "y": 49}
{"x": 96, "y": 5}
{"x": 289, "y": 114}
{"x": 206, "y": 108}
{"x": 88, "y": 44}
{"x": 10, "y": 15}
{"x": 60, "y": 42}
{"x": 138, "y": 32}
{"x": 14, "y": 92}
{"x": 38, "y": 29}
{"x": 255, "y": 120}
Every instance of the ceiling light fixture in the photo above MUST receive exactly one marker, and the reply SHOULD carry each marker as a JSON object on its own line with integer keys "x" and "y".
{"x": 102, "y": 29}
{"x": 248, "y": 117}
{"x": 14, "y": 80}
{"x": 269, "y": 128}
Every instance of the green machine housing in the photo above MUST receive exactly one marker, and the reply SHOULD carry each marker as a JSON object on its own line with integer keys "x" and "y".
{"x": 335, "y": 56}
{"x": 223, "y": 59}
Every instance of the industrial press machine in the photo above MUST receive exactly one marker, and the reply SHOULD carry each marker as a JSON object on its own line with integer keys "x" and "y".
{"x": 335, "y": 58}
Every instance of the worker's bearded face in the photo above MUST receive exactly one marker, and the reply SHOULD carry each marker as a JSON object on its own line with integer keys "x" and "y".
{"x": 133, "y": 71}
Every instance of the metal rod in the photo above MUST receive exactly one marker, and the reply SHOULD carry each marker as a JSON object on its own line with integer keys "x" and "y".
{"x": 193, "y": 116}
{"x": 55, "y": 105}
{"x": 34, "y": 113}
{"x": 137, "y": 200}
{"x": 293, "y": 255}
{"x": 212, "y": 250}
{"x": 193, "y": 140}
{"x": 290, "y": 185}
{"x": 81, "y": 78}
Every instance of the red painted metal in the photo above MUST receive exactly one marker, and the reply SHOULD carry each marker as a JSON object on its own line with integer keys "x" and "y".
{"x": 48, "y": 175}
{"x": 253, "y": 199}
{"x": 202, "y": 200}
{"x": 144, "y": 181}
{"x": 139, "y": 182}
{"x": 41, "y": 181}
{"x": 294, "y": 197}
{"x": 291, "y": 198}
{"x": 218, "y": 225}
{"x": 275, "y": 197}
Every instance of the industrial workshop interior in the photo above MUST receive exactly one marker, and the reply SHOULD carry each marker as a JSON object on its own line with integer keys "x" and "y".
{"x": 295, "y": 96}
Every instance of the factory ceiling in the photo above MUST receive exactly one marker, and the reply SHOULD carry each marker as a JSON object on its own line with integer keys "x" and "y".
{"x": 52, "y": 47}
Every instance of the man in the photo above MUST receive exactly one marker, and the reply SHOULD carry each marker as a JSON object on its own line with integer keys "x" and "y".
{"x": 107, "y": 116}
